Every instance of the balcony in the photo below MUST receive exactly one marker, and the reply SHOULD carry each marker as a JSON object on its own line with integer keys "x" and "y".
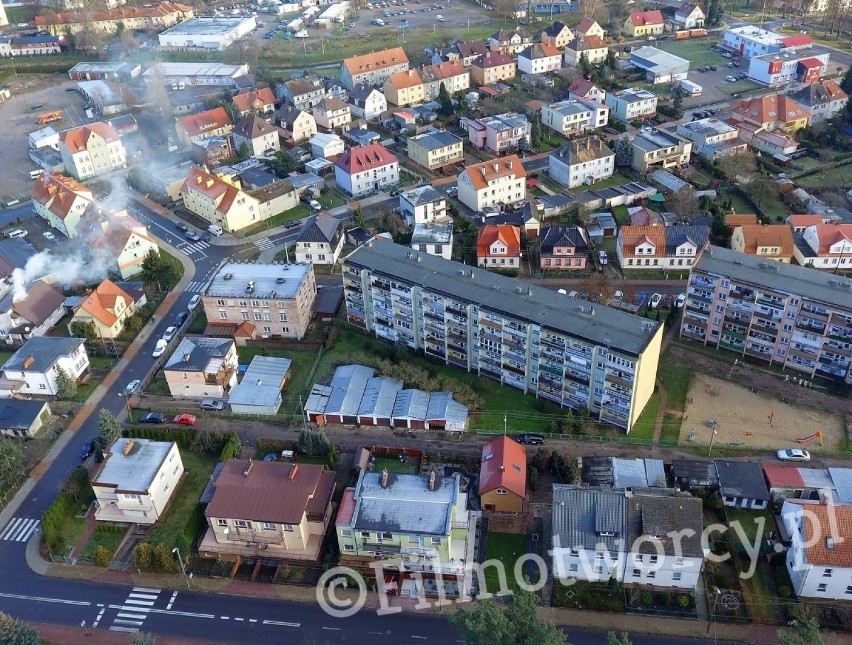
{"x": 612, "y": 378}
{"x": 810, "y": 326}
{"x": 382, "y": 286}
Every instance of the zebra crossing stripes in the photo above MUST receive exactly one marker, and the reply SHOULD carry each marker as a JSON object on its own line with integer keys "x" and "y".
{"x": 195, "y": 287}
{"x": 264, "y": 244}
{"x": 132, "y": 614}
{"x": 19, "y": 529}
{"x": 194, "y": 247}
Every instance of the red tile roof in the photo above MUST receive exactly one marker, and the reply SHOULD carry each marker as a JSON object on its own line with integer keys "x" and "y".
{"x": 506, "y": 233}
{"x": 633, "y": 236}
{"x": 100, "y": 304}
{"x": 827, "y": 532}
{"x": 769, "y": 108}
{"x": 778, "y": 476}
{"x": 365, "y": 158}
{"x": 405, "y": 79}
{"x": 811, "y": 63}
{"x": 504, "y": 465}
{"x": 802, "y": 221}
{"x": 742, "y": 219}
{"x": 762, "y": 235}
{"x": 585, "y": 25}
{"x": 376, "y": 60}
{"x": 347, "y": 508}
{"x": 830, "y": 234}
{"x": 77, "y": 139}
{"x": 832, "y": 90}
{"x": 211, "y": 186}
{"x": 799, "y": 40}
{"x": 494, "y": 59}
{"x": 480, "y": 174}
{"x": 581, "y": 87}
{"x": 642, "y": 18}
{"x": 58, "y": 193}
{"x": 254, "y": 100}
{"x": 207, "y": 121}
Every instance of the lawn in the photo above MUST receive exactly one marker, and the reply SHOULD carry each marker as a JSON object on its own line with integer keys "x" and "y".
{"x": 394, "y": 465}
{"x": 84, "y": 391}
{"x": 697, "y": 52}
{"x": 71, "y": 532}
{"x": 507, "y": 548}
{"x": 839, "y": 176}
{"x": 615, "y": 180}
{"x": 300, "y": 370}
{"x": 621, "y": 215}
{"x": 197, "y": 473}
{"x": 747, "y": 520}
{"x": 107, "y": 539}
{"x": 5, "y": 356}
{"x": 644, "y": 426}
{"x": 676, "y": 378}
{"x": 176, "y": 265}
{"x": 297, "y": 212}
{"x": 198, "y": 325}
{"x": 745, "y": 85}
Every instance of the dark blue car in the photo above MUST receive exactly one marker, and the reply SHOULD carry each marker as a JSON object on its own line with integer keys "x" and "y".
{"x": 87, "y": 449}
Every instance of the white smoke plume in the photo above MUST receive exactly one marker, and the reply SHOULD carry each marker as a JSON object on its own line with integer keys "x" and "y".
{"x": 65, "y": 269}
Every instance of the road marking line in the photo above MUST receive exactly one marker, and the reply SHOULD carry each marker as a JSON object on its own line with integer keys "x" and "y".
{"x": 377, "y": 633}
{"x": 144, "y": 596}
{"x": 11, "y": 527}
{"x": 82, "y": 603}
{"x": 422, "y": 638}
{"x": 332, "y": 629}
{"x": 275, "y": 622}
{"x": 128, "y": 622}
{"x": 146, "y": 603}
{"x": 225, "y": 617}
{"x": 136, "y": 616}
{"x": 100, "y": 604}
{"x": 252, "y": 620}
{"x": 239, "y": 619}
{"x": 165, "y": 612}
{"x": 147, "y": 590}
{"x": 125, "y": 608}
{"x": 130, "y": 630}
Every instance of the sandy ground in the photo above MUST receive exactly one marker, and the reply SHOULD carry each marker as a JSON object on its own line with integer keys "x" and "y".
{"x": 747, "y": 419}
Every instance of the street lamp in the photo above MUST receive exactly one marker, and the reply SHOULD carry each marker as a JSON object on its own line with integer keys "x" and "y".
{"x": 712, "y": 437}
{"x": 712, "y": 620}
{"x": 182, "y": 568}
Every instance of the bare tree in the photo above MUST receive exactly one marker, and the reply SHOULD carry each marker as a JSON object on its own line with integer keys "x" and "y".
{"x": 588, "y": 8}
{"x": 741, "y": 164}
{"x": 684, "y": 203}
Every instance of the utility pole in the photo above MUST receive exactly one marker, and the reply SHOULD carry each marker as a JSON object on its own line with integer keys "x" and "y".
{"x": 504, "y": 425}
{"x": 304, "y": 417}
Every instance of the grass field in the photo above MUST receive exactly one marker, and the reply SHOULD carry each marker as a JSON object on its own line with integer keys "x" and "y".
{"x": 507, "y": 548}
{"x": 644, "y": 426}
{"x": 108, "y": 540}
{"x": 739, "y": 87}
{"x": 697, "y": 52}
{"x": 71, "y": 532}
{"x": 840, "y": 176}
{"x": 300, "y": 370}
{"x": 615, "y": 180}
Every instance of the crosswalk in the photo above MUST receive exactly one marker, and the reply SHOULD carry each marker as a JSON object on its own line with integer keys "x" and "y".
{"x": 264, "y": 244}
{"x": 195, "y": 287}
{"x": 19, "y": 529}
{"x": 132, "y": 614}
{"x": 194, "y": 247}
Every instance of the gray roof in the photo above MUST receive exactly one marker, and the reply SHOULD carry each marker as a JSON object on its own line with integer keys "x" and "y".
{"x": 586, "y": 518}
{"x": 411, "y": 404}
{"x": 842, "y": 478}
{"x": 597, "y": 471}
{"x": 562, "y": 236}
{"x": 406, "y": 505}
{"x": 44, "y": 352}
{"x": 134, "y": 471}
{"x": 347, "y": 389}
{"x": 668, "y": 180}
{"x": 195, "y": 353}
{"x": 14, "y": 253}
{"x": 698, "y": 234}
{"x": 490, "y": 291}
{"x": 633, "y": 95}
{"x": 657, "y": 61}
{"x": 655, "y": 139}
{"x": 742, "y": 479}
{"x": 422, "y": 195}
{"x": 274, "y": 280}
{"x": 379, "y": 397}
{"x": 321, "y": 228}
{"x": 261, "y": 384}
{"x": 786, "y": 278}
{"x": 629, "y": 473}
{"x": 306, "y": 180}
{"x": 659, "y": 515}
{"x": 19, "y": 415}
{"x": 692, "y": 472}
{"x": 443, "y": 406}
{"x": 435, "y": 140}
{"x": 432, "y": 233}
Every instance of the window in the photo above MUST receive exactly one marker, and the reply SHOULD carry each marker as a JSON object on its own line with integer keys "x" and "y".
{"x": 822, "y": 587}
{"x": 502, "y": 491}
{"x": 849, "y": 589}
{"x": 573, "y": 567}
{"x": 436, "y": 541}
{"x": 575, "y": 553}
{"x": 222, "y": 522}
{"x": 267, "y": 526}
{"x": 348, "y": 547}
{"x": 346, "y": 532}
{"x": 677, "y": 575}
{"x": 387, "y": 536}
{"x": 365, "y": 535}
{"x": 826, "y": 573}
{"x": 637, "y": 573}
{"x": 241, "y": 524}
{"x": 652, "y": 574}
{"x": 287, "y": 527}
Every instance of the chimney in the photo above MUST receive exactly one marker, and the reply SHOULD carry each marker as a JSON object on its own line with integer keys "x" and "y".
{"x": 432, "y": 480}
{"x": 502, "y": 468}
{"x": 385, "y": 478}
{"x": 293, "y": 472}
{"x": 198, "y": 179}
{"x": 29, "y": 360}
{"x": 210, "y": 182}
{"x": 186, "y": 358}
{"x": 248, "y": 468}
{"x": 509, "y": 163}
{"x": 127, "y": 447}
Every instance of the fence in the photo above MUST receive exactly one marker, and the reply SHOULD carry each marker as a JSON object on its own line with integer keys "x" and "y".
{"x": 583, "y": 437}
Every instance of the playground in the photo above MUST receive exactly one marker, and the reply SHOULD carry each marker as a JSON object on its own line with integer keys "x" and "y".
{"x": 744, "y": 418}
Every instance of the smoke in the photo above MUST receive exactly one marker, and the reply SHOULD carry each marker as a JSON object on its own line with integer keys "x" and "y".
{"x": 68, "y": 269}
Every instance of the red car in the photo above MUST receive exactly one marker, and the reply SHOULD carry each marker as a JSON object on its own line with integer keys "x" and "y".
{"x": 184, "y": 420}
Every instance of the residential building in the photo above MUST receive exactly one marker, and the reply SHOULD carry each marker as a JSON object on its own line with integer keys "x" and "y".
{"x": 509, "y": 41}
{"x": 331, "y": 113}
{"x": 413, "y": 523}
{"x": 454, "y": 76}
{"x": 422, "y": 205}
{"x": 434, "y": 238}
{"x": 540, "y": 59}
{"x": 590, "y": 27}
{"x": 91, "y": 150}
{"x": 212, "y": 152}
{"x": 501, "y": 181}
{"x": 470, "y": 52}
{"x": 641, "y": 24}
{"x": 30, "y": 316}
{"x": 742, "y": 485}
{"x": 823, "y": 99}
{"x": 435, "y": 150}
{"x": 712, "y": 139}
{"x": 119, "y": 240}
{"x": 148, "y": 18}
{"x": 770, "y": 241}
{"x": 563, "y": 248}
{"x": 658, "y": 148}
{"x": 498, "y": 246}
{"x": 499, "y": 134}
{"x": 320, "y": 241}
{"x": 268, "y": 509}
{"x": 106, "y": 309}
{"x": 277, "y": 298}
{"x": 261, "y": 138}
{"x": 798, "y": 222}
{"x": 259, "y": 391}
{"x": 574, "y": 116}
{"x": 136, "y": 480}
{"x": 373, "y": 69}
{"x": 689, "y": 16}
{"x": 503, "y": 476}
{"x": 22, "y": 419}
{"x": 327, "y": 146}
{"x": 260, "y": 102}
{"x": 35, "y": 367}
{"x": 202, "y": 367}
{"x": 404, "y": 88}
{"x": 21, "y": 45}
{"x": 660, "y": 247}
{"x": 45, "y": 137}
{"x": 524, "y": 337}
{"x": 583, "y": 88}
{"x": 779, "y": 69}
{"x": 786, "y": 315}
{"x": 557, "y": 35}
{"x": 219, "y": 200}
{"x": 773, "y": 112}
{"x": 303, "y": 93}
{"x": 819, "y": 558}
{"x": 366, "y": 102}
{"x": 593, "y": 47}
{"x": 632, "y": 104}
{"x": 659, "y": 66}
{"x": 366, "y": 169}
{"x": 493, "y": 67}
{"x": 181, "y": 75}
{"x": 582, "y": 161}
{"x": 824, "y": 246}
{"x": 300, "y": 125}
{"x": 749, "y": 41}
{"x": 210, "y": 123}
{"x": 61, "y": 202}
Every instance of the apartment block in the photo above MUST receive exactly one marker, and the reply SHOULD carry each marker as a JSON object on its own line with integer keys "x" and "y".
{"x": 712, "y": 139}
{"x": 373, "y": 68}
{"x": 435, "y": 150}
{"x": 786, "y": 315}
{"x": 657, "y": 148}
{"x": 498, "y": 134}
{"x": 582, "y": 161}
{"x": 575, "y": 353}
{"x": 574, "y": 116}
{"x": 92, "y": 150}
{"x": 493, "y": 67}
{"x": 495, "y": 182}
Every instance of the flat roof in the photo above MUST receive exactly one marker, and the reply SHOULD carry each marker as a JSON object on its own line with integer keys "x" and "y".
{"x": 135, "y": 470}
{"x": 756, "y": 34}
{"x": 708, "y": 127}
{"x": 597, "y": 324}
{"x": 197, "y": 69}
{"x": 275, "y": 280}
{"x": 432, "y": 233}
{"x": 654, "y": 58}
{"x": 634, "y": 95}
{"x": 206, "y": 26}
{"x": 261, "y": 384}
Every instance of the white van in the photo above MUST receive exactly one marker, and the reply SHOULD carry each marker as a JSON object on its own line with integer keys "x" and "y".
{"x": 439, "y": 18}
{"x": 214, "y": 229}
{"x": 17, "y": 233}
{"x": 35, "y": 174}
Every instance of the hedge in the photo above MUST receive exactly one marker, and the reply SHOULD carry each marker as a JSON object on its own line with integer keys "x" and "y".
{"x": 194, "y": 525}
{"x": 232, "y": 447}
{"x": 183, "y": 437}
{"x": 274, "y": 445}
{"x": 53, "y": 517}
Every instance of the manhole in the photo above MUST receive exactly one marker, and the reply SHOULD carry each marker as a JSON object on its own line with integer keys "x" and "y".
{"x": 730, "y": 602}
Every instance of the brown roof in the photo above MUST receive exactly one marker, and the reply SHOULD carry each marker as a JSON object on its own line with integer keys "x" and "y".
{"x": 584, "y": 43}
{"x": 633, "y": 236}
{"x": 331, "y": 104}
{"x": 447, "y": 69}
{"x": 581, "y": 87}
{"x": 207, "y": 121}
{"x": 124, "y": 13}
{"x": 494, "y": 59}
{"x": 733, "y": 220}
{"x": 480, "y": 174}
{"x": 756, "y": 236}
{"x": 403, "y": 80}
{"x": 252, "y": 127}
{"x": 77, "y": 139}
{"x": 800, "y": 221}
{"x": 100, "y": 304}
{"x": 540, "y": 50}
{"x": 275, "y": 492}
{"x": 828, "y": 532}
{"x": 254, "y": 99}
{"x": 41, "y": 301}
{"x": 506, "y": 233}
{"x": 376, "y": 60}
{"x": 58, "y": 193}
{"x": 230, "y": 329}
{"x": 585, "y": 25}
{"x": 773, "y": 107}
{"x": 504, "y": 465}
{"x": 202, "y": 181}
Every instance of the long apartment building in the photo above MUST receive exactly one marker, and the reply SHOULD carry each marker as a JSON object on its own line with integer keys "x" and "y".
{"x": 575, "y": 353}
{"x": 784, "y": 314}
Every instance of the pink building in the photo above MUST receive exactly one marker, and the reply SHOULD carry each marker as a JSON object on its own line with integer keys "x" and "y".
{"x": 563, "y": 247}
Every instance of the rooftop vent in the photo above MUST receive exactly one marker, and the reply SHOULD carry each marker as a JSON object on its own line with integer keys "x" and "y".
{"x": 228, "y": 276}
{"x": 385, "y": 478}
{"x": 250, "y": 286}
{"x": 293, "y": 472}
{"x": 186, "y": 358}
{"x": 280, "y": 280}
{"x": 829, "y": 542}
{"x": 127, "y": 447}
{"x": 248, "y": 468}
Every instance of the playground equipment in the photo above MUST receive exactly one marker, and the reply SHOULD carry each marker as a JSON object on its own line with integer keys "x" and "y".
{"x": 811, "y": 437}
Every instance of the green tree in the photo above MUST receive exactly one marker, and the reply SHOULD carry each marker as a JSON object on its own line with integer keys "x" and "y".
{"x": 611, "y": 60}
{"x": 16, "y": 632}
{"x": 85, "y": 330}
{"x": 66, "y": 387}
{"x": 108, "y": 426}
{"x": 102, "y": 556}
{"x": 801, "y": 632}
{"x": 284, "y": 163}
{"x": 11, "y": 458}
{"x": 677, "y": 104}
{"x": 714, "y": 13}
{"x": 585, "y": 65}
{"x": 445, "y": 100}
{"x": 464, "y": 104}
{"x": 518, "y": 623}
{"x": 243, "y": 151}
{"x": 623, "y": 152}
{"x": 156, "y": 271}
{"x": 143, "y": 557}
{"x": 846, "y": 83}
{"x": 535, "y": 134}
{"x": 614, "y": 639}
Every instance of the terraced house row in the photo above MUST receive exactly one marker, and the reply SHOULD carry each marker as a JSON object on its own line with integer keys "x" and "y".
{"x": 575, "y": 353}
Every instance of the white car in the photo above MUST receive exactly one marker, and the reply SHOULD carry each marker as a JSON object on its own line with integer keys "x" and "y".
{"x": 169, "y": 333}
{"x": 794, "y": 454}
{"x": 133, "y": 387}
{"x": 160, "y": 348}
{"x": 681, "y": 301}
{"x": 49, "y": 236}
{"x": 602, "y": 258}
{"x": 18, "y": 232}
{"x": 731, "y": 79}
{"x": 193, "y": 302}
{"x": 315, "y": 205}
{"x": 655, "y": 301}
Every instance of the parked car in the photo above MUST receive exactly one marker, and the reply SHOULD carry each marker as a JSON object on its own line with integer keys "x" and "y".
{"x": 87, "y": 448}
{"x": 182, "y": 227}
{"x": 153, "y": 417}
{"x": 270, "y": 456}
{"x": 193, "y": 302}
{"x": 184, "y": 420}
{"x": 530, "y": 439}
{"x": 212, "y": 404}
{"x": 602, "y": 258}
{"x": 49, "y": 236}
{"x": 192, "y": 236}
{"x": 18, "y": 232}
{"x": 794, "y": 454}
{"x": 160, "y": 348}
{"x": 215, "y": 229}
{"x": 655, "y": 301}
{"x": 314, "y": 204}
{"x": 169, "y": 333}
{"x": 731, "y": 79}
{"x": 667, "y": 302}
{"x": 295, "y": 223}
{"x": 395, "y": 193}
{"x": 181, "y": 318}
{"x": 681, "y": 301}
{"x": 133, "y": 387}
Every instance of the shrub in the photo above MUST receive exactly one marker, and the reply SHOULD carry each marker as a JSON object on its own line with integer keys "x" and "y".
{"x": 164, "y": 559}
{"x": 646, "y": 598}
{"x": 143, "y": 557}
{"x": 53, "y": 518}
{"x": 533, "y": 478}
{"x": 232, "y": 448}
{"x": 665, "y": 599}
{"x": 313, "y": 443}
{"x": 784, "y": 592}
{"x": 274, "y": 445}
{"x": 102, "y": 556}
{"x": 683, "y": 601}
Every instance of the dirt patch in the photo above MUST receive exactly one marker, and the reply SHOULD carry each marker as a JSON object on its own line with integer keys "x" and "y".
{"x": 753, "y": 419}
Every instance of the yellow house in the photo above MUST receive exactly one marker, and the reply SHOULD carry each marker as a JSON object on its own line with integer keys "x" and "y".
{"x": 404, "y": 88}
{"x": 503, "y": 476}
{"x": 641, "y": 24}
{"x": 119, "y": 237}
{"x": 435, "y": 150}
{"x": 219, "y": 200}
{"x": 202, "y": 367}
{"x": 107, "y": 308}
{"x": 773, "y": 241}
